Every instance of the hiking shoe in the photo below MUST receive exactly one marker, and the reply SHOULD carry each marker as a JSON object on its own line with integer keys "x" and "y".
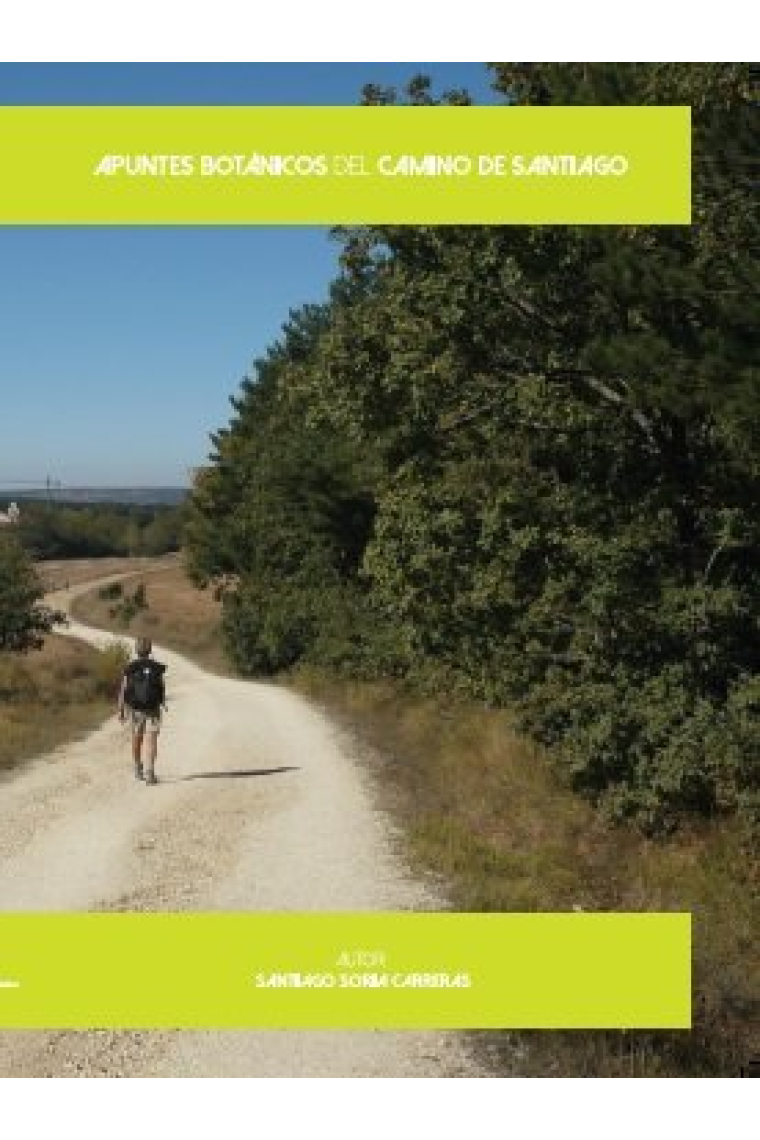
{"x": 139, "y": 772}
{"x": 151, "y": 778}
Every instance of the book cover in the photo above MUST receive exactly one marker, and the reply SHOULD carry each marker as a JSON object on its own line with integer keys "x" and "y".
{"x": 404, "y": 416}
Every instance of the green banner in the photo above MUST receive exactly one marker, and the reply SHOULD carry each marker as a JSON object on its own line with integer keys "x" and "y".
{"x": 345, "y": 165}
{"x": 367, "y": 970}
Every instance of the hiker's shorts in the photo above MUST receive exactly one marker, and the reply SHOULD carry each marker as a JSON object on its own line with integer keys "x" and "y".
{"x": 146, "y": 722}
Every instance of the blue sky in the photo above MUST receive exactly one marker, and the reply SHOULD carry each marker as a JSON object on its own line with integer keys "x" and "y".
{"x": 120, "y": 346}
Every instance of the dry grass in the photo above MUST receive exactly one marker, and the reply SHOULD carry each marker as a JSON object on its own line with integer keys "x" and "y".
{"x": 482, "y": 808}
{"x": 54, "y": 696}
{"x": 177, "y": 615}
{"x": 59, "y": 574}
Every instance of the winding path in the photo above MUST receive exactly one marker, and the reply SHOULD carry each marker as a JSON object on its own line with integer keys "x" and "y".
{"x": 263, "y": 804}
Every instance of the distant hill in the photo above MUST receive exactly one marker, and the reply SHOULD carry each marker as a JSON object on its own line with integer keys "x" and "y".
{"x": 137, "y": 496}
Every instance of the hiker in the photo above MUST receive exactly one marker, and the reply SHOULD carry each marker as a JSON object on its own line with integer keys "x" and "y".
{"x": 142, "y": 692}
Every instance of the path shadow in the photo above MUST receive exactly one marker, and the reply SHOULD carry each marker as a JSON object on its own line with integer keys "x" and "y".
{"x": 234, "y": 774}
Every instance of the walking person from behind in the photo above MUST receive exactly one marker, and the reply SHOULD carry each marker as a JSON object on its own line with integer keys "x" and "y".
{"x": 143, "y": 694}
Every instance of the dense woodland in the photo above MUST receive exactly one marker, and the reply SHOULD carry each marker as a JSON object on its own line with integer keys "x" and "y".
{"x": 62, "y": 530}
{"x": 522, "y": 464}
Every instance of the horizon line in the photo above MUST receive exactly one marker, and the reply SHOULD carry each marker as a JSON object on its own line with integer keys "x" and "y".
{"x": 26, "y": 488}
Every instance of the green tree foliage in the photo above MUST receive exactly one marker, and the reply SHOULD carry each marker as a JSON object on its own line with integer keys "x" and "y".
{"x": 280, "y": 519}
{"x": 558, "y": 431}
{"x": 57, "y": 530}
{"x": 23, "y": 620}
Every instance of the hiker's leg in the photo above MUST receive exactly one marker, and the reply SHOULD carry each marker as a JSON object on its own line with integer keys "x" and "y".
{"x": 138, "y": 731}
{"x": 137, "y": 742}
{"x": 150, "y": 750}
{"x": 151, "y": 746}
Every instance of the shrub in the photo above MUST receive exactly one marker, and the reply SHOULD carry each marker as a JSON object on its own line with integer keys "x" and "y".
{"x": 130, "y": 605}
{"x": 111, "y": 592}
{"x": 109, "y": 667}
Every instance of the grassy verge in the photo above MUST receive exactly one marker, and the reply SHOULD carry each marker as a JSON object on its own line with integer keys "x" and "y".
{"x": 482, "y": 808}
{"x": 162, "y": 605}
{"x": 61, "y": 573}
{"x": 54, "y": 696}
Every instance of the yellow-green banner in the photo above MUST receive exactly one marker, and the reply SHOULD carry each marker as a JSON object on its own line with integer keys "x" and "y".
{"x": 344, "y": 165}
{"x": 366, "y": 970}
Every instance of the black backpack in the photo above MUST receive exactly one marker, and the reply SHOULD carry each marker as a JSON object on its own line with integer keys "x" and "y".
{"x": 145, "y": 685}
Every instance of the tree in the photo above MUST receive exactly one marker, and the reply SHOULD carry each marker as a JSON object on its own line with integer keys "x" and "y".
{"x": 279, "y": 520}
{"x": 567, "y": 511}
{"x": 556, "y": 429}
{"x": 23, "y": 621}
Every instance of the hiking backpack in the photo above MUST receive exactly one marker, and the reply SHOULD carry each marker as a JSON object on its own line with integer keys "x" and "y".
{"x": 145, "y": 685}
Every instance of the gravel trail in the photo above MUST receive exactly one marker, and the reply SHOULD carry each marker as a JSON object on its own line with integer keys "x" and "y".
{"x": 263, "y": 804}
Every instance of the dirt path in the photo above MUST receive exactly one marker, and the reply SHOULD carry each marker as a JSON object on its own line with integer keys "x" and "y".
{"x": 262, "y": 805}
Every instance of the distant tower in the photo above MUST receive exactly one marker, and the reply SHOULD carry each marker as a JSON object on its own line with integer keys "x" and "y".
{"x": 14, "y": 514}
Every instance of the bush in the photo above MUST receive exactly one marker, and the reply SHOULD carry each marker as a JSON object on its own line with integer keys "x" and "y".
{"x": 130, "y": 605}
{"x": 111, "y": 592}
{"x": 109, "y": 669}
{"x": 268, "y": 627}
